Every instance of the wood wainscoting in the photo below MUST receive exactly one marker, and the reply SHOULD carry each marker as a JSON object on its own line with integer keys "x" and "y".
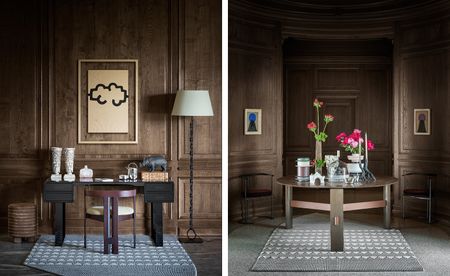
{"x": 42, "y": 42}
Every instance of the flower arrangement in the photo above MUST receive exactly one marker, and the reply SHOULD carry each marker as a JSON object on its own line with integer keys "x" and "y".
{"x": 352, "y": 142}
{"x": 320, "y": 136}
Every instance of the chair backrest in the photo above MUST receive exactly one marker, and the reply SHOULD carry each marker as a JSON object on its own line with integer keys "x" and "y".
{"x": 110, "y": 193}
{"x": 249, "y": 178}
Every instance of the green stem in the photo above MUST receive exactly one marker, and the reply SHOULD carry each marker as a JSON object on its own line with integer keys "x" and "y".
{"x": 325, "y": 127}
{"x": 318, "y": 121}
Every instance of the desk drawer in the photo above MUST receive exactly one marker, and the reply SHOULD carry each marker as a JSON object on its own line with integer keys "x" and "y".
{"x": 158, "y": 192}
{"x": 58, "y": 192}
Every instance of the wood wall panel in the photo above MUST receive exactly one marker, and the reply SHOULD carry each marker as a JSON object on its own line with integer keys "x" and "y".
{"x": 423, "y": 55}
{"x": 254, "y": 82}
{"x": 202, "y": 70}
{"x": 207, "y": 191}
{"x": 178, "y": 46}
{"x": 419, "y": 31}
{"x": 358, "y": 94}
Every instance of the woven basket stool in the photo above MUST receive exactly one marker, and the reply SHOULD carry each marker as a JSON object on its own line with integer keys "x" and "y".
{"x": 22, "y": 222}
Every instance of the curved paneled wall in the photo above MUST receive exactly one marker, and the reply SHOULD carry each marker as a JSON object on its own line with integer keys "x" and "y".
{"x": 420, "y": 35}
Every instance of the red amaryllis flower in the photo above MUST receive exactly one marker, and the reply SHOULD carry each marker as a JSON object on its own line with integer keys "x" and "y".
{"x": 328, "y": 118}
{"x": 317, "y": 103}
{"x": 370, "y": 145}
{"x": 312, "y": 126}
{"x": 341, "y": 137}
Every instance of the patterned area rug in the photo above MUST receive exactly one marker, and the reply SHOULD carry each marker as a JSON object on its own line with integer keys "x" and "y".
{"x": 309, "y": 250}
{"x": 146, "y": 259}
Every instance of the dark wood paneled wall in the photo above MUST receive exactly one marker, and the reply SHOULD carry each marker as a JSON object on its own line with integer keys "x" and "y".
{"x": 422, "y": 54}
{"x": 420, "y": 32}
{"x": 178, "y": 45}
{"x": 255, "y": 72}
{"x": 353, "y": 79}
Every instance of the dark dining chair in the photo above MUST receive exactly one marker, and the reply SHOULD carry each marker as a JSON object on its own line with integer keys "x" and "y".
{"x": 424, "y": 192}
{"x": 111, "y": 217}
{"x": 253, "y": 189}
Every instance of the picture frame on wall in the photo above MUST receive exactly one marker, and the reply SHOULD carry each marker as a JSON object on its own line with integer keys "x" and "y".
{"x": 422, "y": 121}
{"x": 108, "y": 97}
{"x": 252, "y": 121}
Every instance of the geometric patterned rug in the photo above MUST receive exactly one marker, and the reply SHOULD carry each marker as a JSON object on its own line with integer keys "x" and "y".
{"x": 299, "y": 249}
{"x": 146, "y": 259}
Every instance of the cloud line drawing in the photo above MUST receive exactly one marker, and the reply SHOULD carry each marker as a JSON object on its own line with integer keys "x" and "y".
{"x": 112, "y": 86}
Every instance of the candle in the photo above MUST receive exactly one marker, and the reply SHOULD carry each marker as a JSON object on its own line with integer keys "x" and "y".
{"x": 338, "y": 153}
{"x": 365, "y": 148}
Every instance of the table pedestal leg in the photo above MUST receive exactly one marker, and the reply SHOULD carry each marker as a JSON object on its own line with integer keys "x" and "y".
{"x": 387, "y": 206}
{"x": 287, "y": 206}
{"x": 337, "y": 219}
{"x": 59, "y": 223}
{"x": 157, "y": 223}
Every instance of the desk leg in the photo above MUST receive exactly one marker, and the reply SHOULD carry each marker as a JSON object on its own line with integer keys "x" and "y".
{"x": 387, "y": 206}
{"x": 337, "y": 219}
{"x": 287, "y": 206}
{"x": 59, "y": 223}
{"x": 157, "y": 223}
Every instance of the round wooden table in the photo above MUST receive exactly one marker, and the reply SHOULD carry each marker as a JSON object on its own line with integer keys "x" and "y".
{"x": 337, "y": 207}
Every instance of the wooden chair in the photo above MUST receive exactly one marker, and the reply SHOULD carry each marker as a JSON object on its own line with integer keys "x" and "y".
{"x": 422, "y": 193}
{"x": 250, "y": 190}
{"x": 114, "y": 213}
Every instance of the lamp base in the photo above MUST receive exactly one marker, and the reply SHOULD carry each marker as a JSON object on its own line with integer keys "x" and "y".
{"x": 188, "y": 240}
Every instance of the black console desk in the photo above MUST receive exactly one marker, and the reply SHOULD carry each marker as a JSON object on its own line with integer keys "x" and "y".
{"x": 62, "y": 192}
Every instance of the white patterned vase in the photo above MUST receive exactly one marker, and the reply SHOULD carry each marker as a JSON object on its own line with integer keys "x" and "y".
{"x": 56, "y": 160}
{"x": 69, "y": 154}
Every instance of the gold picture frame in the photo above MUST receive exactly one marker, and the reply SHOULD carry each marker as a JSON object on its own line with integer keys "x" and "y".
{"x": 422, "y": 121}
{"x": 119, "y": 126}
{"x": 252, "y": 121}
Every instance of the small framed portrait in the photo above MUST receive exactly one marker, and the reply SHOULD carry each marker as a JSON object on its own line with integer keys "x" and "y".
{"x": 252, "y": 121}
{"x": 422, "y": 121}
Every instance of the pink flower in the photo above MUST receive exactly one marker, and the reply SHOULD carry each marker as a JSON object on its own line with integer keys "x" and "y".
{"x": 312, "y": 126}
{"x": 317, "y": 103}
{"x": 328, "y": 118}
{"x": 355, "y": 135}
{"x": 341, "y": 137}
{"x": 354, "y": 144}
{"x": 370, "y": 145}
{"x": 357, "y": 131}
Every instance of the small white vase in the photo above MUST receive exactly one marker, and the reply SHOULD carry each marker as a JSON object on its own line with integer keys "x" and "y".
{"x": 355, "y": 157}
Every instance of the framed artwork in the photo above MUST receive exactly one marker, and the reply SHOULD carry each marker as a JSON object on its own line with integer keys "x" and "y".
{"x": 252, "y": 121}
{"x": 422, "y": 121}
{"x": 108, "y": 101}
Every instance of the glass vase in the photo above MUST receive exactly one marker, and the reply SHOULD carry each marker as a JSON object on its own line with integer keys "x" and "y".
{"x": 318, "y": 156}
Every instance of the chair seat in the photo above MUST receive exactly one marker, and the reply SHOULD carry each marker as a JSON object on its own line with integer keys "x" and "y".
{"x": 416, "y": 192}
{"x": 258, "y": 192}
{"x": 98, "y": 210}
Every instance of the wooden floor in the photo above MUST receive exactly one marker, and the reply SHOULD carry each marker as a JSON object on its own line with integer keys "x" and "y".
{"x": 206, "y": 256}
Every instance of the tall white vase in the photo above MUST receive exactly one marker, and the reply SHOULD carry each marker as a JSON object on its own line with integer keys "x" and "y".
{"x": 56, "y": 163}
{"x": 69, "y": 154}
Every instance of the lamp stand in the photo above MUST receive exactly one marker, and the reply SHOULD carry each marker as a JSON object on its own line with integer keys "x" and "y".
{"x": 191, "y": 235}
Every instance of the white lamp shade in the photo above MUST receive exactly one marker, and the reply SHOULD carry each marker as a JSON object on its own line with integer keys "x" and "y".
{"x": 192, "y": 103}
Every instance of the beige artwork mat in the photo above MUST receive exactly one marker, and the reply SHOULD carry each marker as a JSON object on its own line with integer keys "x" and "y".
{"x": 107, "y": 123}
{"x": 108, "y": 101}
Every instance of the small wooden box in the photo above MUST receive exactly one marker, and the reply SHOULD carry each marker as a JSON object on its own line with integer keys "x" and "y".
{"x": 154, "y": 176}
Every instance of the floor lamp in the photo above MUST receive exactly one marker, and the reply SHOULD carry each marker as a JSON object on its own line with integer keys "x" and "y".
{"x": 191, "y": 103}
